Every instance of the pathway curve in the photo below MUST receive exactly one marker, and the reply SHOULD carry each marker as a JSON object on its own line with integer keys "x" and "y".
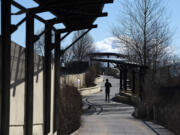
{"x": 110, "y": 118}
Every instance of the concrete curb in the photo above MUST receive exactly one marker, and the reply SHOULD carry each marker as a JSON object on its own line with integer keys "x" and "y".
{"x": 75, "y": 132}
{"x": 158, "y": 129}
{"x": 90, "y": 90}
{"x": 151, "y": 128}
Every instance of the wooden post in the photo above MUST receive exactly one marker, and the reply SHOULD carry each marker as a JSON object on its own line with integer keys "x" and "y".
{"x": 140, "y": 84}
{"x": 29, "y": 73}
{"x": 133, "y": 82}
{"x": 125, "y": 79}
{"x": 5, "y": 57}
{"x": 108, "y": 65}
{"x": 57, "y": 84}
{"x": 47, "y": 81}
{"x": 121, "y": 83}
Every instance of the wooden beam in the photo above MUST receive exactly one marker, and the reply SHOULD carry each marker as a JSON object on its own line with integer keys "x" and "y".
{"x": 47, "y": 81}
{"x": 125, "y": 79}
{"x": 53, "y": 46}
{"x": 121, "y": 80}
{"x": 15, "y": 27}
{"x": 133, "y": 82}
{"x": 77, "y": 28}
{"x": 54, "y": 5}
{"x": 5, "y": 49}
{"x": 70, "y": 17}
{"x": 29, "y": 73}
{"x": 17, "y": 5}
{"x": 76, "y": 41}
{"x": 57, "y": 84}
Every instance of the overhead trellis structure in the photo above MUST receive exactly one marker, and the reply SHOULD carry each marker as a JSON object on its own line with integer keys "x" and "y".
{"x": 124, "y": 65}
{"x": 75, "y": 15}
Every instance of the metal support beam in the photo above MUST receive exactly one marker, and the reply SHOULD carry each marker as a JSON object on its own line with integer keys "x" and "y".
{"x": 17, "y": 5}
{"x": 108, "y": 64}
{"x": 76, "y": 40}
{"x": 52, "y": 5}
{"x": 15, "y": 27}
{"x": 53, "y": 46}
{"x": 125, "y": 79}
{"x": 77, "y": 28}
{"x": 72, "y": 17}
{"x": 5, "y": 47}
{"x": 47, "y": 81}
{"x": 121, "y": 83}
{"x": 57, "y": 83}
{"x": 133, "y": 82}
{"x": 141, "y": 82}
{"x": 29, "y": 73}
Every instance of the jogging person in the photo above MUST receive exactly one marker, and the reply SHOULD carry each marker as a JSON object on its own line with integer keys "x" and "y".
{"x": 107, "y": 89}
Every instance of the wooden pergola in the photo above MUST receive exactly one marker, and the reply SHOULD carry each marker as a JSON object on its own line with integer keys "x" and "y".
{"x": 75, "y": 15}
{"x": 123, "y": 64}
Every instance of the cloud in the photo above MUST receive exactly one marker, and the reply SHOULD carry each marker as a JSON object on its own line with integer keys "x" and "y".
{"x": 110, "y": 44}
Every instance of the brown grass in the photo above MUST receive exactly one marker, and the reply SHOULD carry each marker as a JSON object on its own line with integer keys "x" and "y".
{"x": 71, "y": 109}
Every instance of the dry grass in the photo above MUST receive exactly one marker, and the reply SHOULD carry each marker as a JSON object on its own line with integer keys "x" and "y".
{"x": 162, "y": 98}
{"x": 71, "y": 109}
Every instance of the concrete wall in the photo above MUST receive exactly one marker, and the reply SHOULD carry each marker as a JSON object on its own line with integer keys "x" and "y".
{"x": 73, "y": 79}
{"x": 17, "y": 97}
{"x": 92, "y": 90}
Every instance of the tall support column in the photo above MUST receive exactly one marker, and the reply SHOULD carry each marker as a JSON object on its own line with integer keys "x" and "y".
{"x": 133, "y": 82}
{"x": 57, "y": 84}
{"x": 5, "y": 47}
{"x": 47, "y": 81}
{"x": 125, "y": 79}
{"x": 108, "y": 64}
{"x": 141, "y": 84}
{"x": 121, "y": 80}
{"x": 90, "y": 61}
{"x": 29, "y": 73}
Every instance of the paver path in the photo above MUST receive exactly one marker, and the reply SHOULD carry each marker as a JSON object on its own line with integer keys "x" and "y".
{"x": 110, "y": 118}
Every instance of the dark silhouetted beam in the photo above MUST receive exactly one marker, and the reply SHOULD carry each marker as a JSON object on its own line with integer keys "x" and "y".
{"x": 121, "y": 81}
{"x": 17, "y": 5}
{"x": 57, "y": 84}
{"x": 5, "y": 49}
{"x": 53, "y": 46}
{"x": 77, "y": 28}
{"x": 69, "y": 17}
{"x": 133, "y": 82}
{"x": 47, "y": 81}
{"x": 29, "y": 73}
{"x": 108, "y": 53}
{"x": 52, "y": 5}
{"x": 76, "y": 41}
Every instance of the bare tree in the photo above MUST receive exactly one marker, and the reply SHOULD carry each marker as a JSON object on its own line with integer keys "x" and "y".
{"x": 39, "y": 45}
{"x": 67, "y": 56}
{"x": 144, "y": 31}
{"x": 83, "y": 47}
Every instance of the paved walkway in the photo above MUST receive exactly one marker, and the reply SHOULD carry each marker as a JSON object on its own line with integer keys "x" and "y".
{"x": 110, "y": 118}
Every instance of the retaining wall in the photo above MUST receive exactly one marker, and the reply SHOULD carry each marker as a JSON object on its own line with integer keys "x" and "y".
{"x": 17, "y": 97}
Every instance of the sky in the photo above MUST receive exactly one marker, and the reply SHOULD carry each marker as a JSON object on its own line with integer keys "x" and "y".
{"x": 103, "y": 38}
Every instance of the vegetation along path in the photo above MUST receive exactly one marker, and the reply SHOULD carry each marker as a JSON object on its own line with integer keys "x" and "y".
{"x": 110, "y": 118}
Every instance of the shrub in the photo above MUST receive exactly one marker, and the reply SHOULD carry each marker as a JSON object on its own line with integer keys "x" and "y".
{"x": 161, "y": 100}
{"x": 71, "y": 109}
{"x": 90, "y": 77}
